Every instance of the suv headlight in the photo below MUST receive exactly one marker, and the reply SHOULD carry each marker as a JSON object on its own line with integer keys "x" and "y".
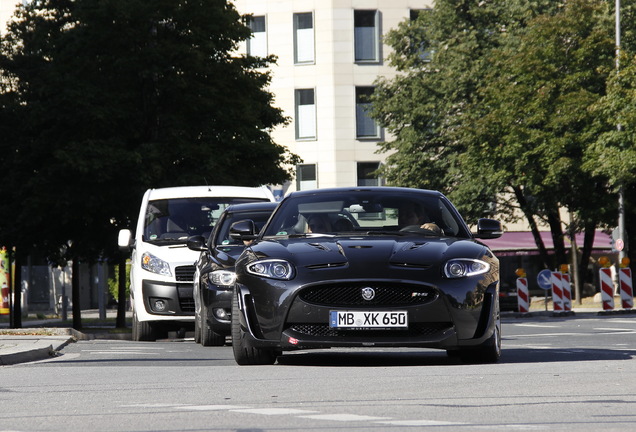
{"x": 156, "y": 265}
{"x": 274, "y": 269}
{"x": 464, "y": 267}
{"x": 223, "y": 278}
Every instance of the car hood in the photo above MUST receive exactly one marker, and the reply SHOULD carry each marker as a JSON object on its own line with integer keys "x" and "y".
{"x": 369, "y": 254}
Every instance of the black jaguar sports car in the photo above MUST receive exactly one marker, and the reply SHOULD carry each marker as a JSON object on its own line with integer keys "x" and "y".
{"x": 366, "y": 267}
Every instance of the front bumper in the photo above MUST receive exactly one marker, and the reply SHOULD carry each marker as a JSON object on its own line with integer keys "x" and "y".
{"x": 218, "y": 303}
{"x": 283, "y": 320}
{"x": 168, "y": 298}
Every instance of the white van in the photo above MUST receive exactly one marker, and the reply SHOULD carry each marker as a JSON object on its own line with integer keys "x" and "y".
{"x": 162, "y": 271}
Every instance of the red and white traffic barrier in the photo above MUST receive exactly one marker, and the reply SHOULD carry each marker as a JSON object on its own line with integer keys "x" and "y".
{"x": 607, "y": 288}
{"x": 557, "y": 292}
{"x": 627, "y": 293}
{"x": 523, "y": 297}
{"x": 566, "y": 291}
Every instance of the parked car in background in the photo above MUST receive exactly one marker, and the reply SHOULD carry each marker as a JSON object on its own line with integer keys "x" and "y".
{"x": 214, "y": 271}
{"x": 366, "y": 267}
{"x": 162, "y": 267}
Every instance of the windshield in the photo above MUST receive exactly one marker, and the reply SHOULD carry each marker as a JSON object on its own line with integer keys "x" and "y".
{"x": 174, "y": 220}
{"x": 370, "y": 212}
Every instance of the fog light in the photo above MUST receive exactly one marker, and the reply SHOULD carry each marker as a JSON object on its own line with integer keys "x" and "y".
{"x": 221, "y": 314}
{"x": 160, "y": 305}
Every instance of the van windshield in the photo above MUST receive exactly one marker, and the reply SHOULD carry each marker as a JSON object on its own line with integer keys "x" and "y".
{"x": 174, "y": 220}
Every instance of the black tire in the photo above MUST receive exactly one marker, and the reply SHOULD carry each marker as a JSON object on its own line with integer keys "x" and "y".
{"x": 244, "y": 355}
{"x": 208, "y": 336}
{"x": 142, "y": 330}
{"x": 489, "y": 352}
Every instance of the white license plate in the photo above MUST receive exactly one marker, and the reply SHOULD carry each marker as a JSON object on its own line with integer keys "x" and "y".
{"x": 368, "y": 319}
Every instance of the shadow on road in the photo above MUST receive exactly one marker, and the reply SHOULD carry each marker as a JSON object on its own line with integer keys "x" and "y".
{"x": 369, "y": 358}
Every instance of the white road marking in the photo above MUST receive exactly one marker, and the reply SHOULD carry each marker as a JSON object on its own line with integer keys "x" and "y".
{"x": 343, "y": 417}
{"x": 420, "y": 423}
{"x": 274, "y": 411}
{"x": 209, "y": 407}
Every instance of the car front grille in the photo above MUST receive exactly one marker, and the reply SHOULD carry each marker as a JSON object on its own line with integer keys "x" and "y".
{"x": 186, "y": 304}
{"x": 414, "y": 330}
{"x": 350, "y": 294}
{"x": 184, "y": 273}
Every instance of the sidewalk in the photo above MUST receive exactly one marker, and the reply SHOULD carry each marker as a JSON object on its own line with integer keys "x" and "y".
{"x": 40, "y": 339}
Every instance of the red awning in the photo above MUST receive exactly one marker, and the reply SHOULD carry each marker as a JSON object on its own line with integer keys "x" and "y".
{"x": 522, "y": 242}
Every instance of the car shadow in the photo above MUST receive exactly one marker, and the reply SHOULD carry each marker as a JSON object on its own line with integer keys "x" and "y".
{"x": 369, "y": 358}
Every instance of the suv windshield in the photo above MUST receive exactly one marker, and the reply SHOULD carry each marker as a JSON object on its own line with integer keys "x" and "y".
{"x": 174, "y": 220}
{"x": 370, "y": 212}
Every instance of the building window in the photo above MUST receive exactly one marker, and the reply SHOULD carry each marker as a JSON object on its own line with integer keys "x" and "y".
{"x": 366, "y": 35}
{"x": 305, "y": 114}
{"x": 366, "y": 127}
{"x": 306, "y": 177}
{"x": 367, "y": 174}
{"x": 304, "y": 38}
{"x": 257, "y": 43}
{"x": 422, "y": 48}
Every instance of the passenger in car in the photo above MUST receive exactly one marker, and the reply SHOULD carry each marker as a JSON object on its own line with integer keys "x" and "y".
{"x": 318, "y": 222}
{"x": 412, "y": 216}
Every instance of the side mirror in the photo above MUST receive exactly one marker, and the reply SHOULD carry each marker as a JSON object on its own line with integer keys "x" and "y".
{"x": 197, "y": 243}
{"x": 124, "y": 239}
{"x": 243, "y": 230}
{"x": 488, "y": 229}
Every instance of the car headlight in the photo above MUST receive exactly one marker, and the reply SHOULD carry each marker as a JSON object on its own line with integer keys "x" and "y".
{"x": 275, "y": 269}
{"x": 464, "y": 267}
{"x": 223, "y": 278}
{"x": 156, "y": 265}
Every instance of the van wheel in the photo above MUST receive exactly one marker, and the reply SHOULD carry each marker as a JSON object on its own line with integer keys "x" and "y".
{"x": 142, "y": 330}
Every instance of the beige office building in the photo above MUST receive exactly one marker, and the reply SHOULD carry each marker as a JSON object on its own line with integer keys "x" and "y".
{"x": 330, "y": 53}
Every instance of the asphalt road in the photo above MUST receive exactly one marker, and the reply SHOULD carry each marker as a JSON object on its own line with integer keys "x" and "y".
{"x": 555, "y": 374}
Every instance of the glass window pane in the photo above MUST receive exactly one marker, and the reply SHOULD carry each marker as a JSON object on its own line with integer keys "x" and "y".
{"x": 366, "y": 127}
{"x": 305, "y": 114}
{"x": 366, "y": 35}
{"x": 257, "y": 44}
{"x": 303, "y": 38}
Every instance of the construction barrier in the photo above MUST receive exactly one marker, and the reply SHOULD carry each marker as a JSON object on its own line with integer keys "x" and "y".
{"x": 607, "y": 288}
{"x": 557, "y": 292}
{"x": 567, "y": 292}
{"x": 627, "y": 294}
{"x": 523, "y": 297}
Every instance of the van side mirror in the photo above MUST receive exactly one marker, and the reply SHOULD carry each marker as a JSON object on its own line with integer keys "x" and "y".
{"x": 124, "y": 239}
{"x": 488, "y": 229}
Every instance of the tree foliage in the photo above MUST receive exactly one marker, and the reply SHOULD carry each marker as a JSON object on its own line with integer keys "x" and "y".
{"x": 514, "y": 109}
{"x": 102, "y": 99}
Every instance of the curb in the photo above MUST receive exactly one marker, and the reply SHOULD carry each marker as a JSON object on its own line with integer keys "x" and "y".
{"x": 28, "y": 344}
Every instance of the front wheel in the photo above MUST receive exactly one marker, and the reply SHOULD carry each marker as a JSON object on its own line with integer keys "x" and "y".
{"x": 489, "y": 352}
{"x": 243, "y": 354}
{"x": 142, "y": 330}
{"x": 208, "y": 336}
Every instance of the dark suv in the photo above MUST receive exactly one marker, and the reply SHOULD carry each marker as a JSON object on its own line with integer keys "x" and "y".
{"x": 214, "y": 271}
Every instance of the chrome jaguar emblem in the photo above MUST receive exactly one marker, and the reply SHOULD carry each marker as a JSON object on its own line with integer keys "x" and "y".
{"x": 368, "y": 293}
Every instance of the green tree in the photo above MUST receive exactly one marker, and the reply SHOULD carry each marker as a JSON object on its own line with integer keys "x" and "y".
{"x": 533, "y": 123}
{"x": 108, "y": 98}
{"x": 441, "y": 59}
{"x": 499, "y": 116}
{"x": 102, "y": 99}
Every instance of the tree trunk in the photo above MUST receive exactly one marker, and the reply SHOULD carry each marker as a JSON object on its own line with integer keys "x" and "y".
{"x": 121, "y": 295}
{"x": 75, "y": 282}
